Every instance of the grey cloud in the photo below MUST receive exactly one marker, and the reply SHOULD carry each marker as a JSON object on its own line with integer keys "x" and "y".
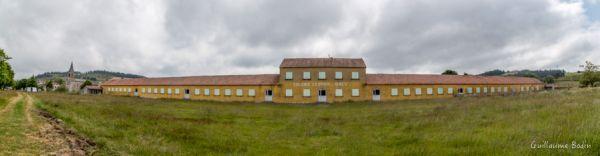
{"x": 187, "y": 37}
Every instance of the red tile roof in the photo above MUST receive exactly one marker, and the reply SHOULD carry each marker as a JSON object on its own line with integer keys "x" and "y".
{"x": 418, "y": 79}
{"x": 323, "y": 62}
{"x": 218, "y": 80}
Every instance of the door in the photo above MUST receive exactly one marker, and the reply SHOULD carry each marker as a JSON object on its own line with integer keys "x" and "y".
{"x": 187, "y": 94}
{"x": 376, "y": 95}
{"x": 268, "y": 95}
{"x": 135, "y": 92}
{"x": 322, "y": 95}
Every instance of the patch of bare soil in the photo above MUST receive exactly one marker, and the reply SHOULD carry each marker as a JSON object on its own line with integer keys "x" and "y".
{"x": 58, "y": 139}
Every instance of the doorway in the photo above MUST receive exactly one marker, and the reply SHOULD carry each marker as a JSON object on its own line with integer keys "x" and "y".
{"x": 268, "y": 95}
{"x": 322, "y": 95}
{"x": 376, "y": 95}
{"x": 187, "y": 94}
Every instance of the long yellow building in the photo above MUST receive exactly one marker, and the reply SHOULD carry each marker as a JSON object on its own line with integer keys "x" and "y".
{"x": 313, "y": 80}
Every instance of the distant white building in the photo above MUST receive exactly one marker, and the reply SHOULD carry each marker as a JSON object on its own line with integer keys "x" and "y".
{"x": 31, "y": 89}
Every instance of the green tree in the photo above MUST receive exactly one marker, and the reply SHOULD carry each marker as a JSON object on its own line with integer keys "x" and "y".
{"x": 590, "y": 75}
{"x": 86, "y": 83}
{"x": 49, "y": 85}
{"x": 449, "y": 72}
{"x": 6, "y": 73}
{"x": 31, "y": 82}
{"x": 549, "y": 79}
{"x": 59, "y": 81}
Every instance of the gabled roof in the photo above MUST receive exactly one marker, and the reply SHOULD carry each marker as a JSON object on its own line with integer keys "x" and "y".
{"x": 323, "y": 63}
{"x": 420, "y": 79}
{"x": 218, "y": 80}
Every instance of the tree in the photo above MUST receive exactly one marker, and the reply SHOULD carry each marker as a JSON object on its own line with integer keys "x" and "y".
{"x": 449, "y": 72}
{"x": 31, "y": 82}
{"x": 6, "y": 73}
{"x": 495, "y": 72}
{"x": 590, "y": 75}
{"x": 86, "y": 83}
{"x": 549, "y": 79}
{"x": 49, "y": 85}
{"x": 59, "y": 81}
{"x": 465, "y": 73}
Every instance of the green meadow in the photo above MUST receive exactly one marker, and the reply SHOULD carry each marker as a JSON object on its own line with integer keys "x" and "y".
{"x": 458, "y": 126}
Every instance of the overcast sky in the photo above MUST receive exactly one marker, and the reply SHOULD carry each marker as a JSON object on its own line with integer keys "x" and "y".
{"x": 196, "y": 37}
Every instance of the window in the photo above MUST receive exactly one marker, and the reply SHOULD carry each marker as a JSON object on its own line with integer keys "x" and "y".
{"x": 418, "y": 91}
{"x": 227, "y": 92}
{"x": 128, "y": 90}
{"x": 478, "y": 90}
{"x": 239, "y": 92}
{"x": 338, "y": 75}
{"x": 176, "y": 90}
{"x": 355, "y": 92}
{"x": 196, "y": 91}
{"x": 143, "y": 90}
{"x": 450, "y": 90}
{"x": 288, "y": 92}
{"x": 306, "y": 93}
{"x": 289, "y": 75}
{"x": 522, "y": 88}
{"x": 492, "y": 90}
{"x": 484, "y": 89}
{"x": 429, "y": 91}
{"x": 355, "y": 76}
{"x": 251, "y": 92}
{"x": 469, "y": 90}
{"x": 207, "y": 92}
{"x": 162, "y": 90}
{"x": 155, "y": 91}
{"x": 322, "y": 75}
{"x": 440, "y": 91}
{"x": 306, "y": 76}
{"x": 505, "y": 89}
{"x": 149, "y": 90}
{"x": 394, "y": 92}
{"x": 217, "y": 92}
{"x": 406, "y": 91}
{"x": 169, "y": 91}
{"x": 339, "y": 92}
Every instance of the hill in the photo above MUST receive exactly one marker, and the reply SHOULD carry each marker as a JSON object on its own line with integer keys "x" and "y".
{"x": 96, "y": 75}
{"x": 540, "y": 74}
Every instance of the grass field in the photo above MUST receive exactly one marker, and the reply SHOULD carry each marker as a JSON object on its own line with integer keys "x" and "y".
{"x": 473, "y": 126}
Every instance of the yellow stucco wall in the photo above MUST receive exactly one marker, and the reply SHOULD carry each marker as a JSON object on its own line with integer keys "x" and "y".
{"x": 259, "y": 92}
{"x": 329, "y": 84}
{"x": 365, "y": 93}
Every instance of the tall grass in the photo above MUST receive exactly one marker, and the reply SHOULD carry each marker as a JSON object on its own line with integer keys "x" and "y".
{"x": 459, "y": 126}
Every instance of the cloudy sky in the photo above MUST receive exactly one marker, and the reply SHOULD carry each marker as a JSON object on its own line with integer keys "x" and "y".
{"x": 204, "y": 37}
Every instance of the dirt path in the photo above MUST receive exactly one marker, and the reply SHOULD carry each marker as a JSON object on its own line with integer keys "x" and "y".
{"x": 52, "y": 133}
{"x": 26, "y": 130}
{"x": 11, "y": 104}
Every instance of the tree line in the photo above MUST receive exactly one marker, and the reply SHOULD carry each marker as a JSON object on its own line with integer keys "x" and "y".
{"x": 588, "y": 78}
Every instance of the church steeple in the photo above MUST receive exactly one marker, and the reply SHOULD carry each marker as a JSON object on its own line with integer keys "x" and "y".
{"x": 71, "y": 73}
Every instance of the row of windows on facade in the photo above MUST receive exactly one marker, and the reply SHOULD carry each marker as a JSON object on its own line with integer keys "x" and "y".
{"x": 338, "y": 92}
{"x": 216, "y": 92}
{"x": 321, "y": 75}
{"x": 407, "y": 91}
